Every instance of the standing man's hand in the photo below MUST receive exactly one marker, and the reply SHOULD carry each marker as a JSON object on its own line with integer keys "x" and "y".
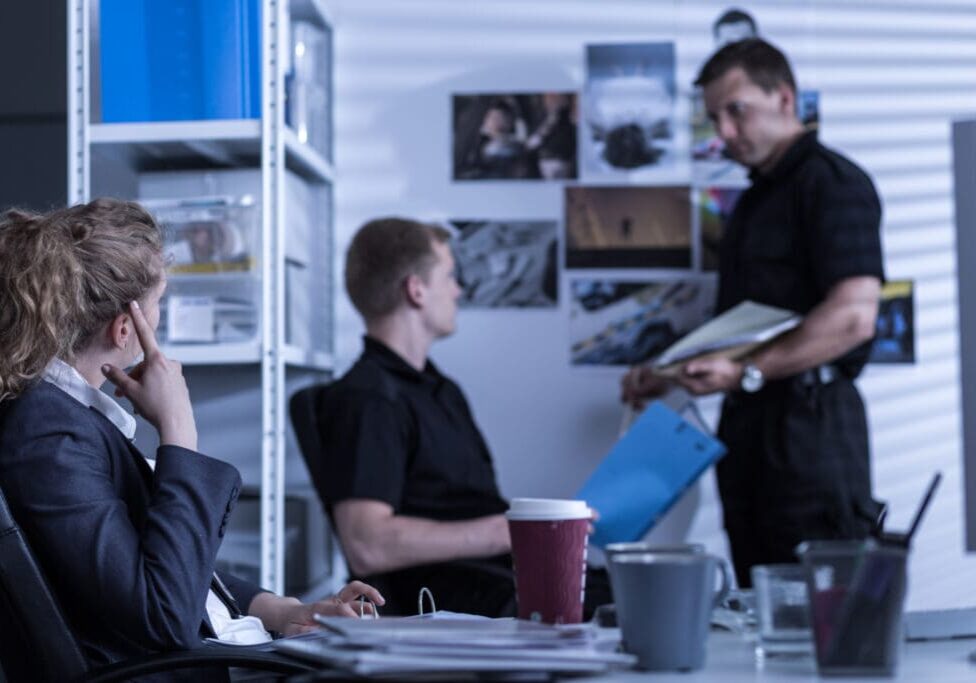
{"x": 641, "y": 383}
{"x": 710, "y": 375}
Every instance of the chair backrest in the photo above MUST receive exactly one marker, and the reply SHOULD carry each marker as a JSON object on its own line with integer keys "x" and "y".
{"x": 35, "y": 640}
{"x": 303, "y": 409}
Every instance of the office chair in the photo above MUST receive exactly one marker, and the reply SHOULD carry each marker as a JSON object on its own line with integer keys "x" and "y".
{"x": 304, "y": 408}
{"x": 36, "y": 643}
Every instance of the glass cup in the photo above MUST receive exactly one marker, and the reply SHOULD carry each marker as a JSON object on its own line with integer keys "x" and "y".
{"x": 783, "y": 610}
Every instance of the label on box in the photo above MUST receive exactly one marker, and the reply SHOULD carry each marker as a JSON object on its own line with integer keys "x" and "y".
{"x": 190, "y": 319}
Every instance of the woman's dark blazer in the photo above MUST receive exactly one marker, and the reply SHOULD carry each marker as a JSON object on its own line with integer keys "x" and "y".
{"x": 129, "y": 553}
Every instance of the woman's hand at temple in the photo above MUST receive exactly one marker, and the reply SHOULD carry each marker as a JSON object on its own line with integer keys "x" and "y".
{"x": 156, "y": 388}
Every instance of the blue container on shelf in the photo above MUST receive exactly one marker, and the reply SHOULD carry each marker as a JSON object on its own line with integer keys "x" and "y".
{"x": 180, "y": 60}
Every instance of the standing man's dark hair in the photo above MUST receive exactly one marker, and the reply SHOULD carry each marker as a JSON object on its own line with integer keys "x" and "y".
{"x": 764, "y": 64}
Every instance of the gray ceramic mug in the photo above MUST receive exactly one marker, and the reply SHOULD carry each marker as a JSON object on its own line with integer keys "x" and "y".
{"x": 606, "y": 615}
{"x": 611, "y": 550}
{"x": 664, "y": 605}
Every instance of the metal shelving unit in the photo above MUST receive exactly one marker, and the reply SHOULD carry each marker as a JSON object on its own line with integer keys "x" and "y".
{"x": 96, "y": 152}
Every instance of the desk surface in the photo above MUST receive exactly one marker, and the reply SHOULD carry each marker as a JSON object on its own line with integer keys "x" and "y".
{"x": 731, "y": 658}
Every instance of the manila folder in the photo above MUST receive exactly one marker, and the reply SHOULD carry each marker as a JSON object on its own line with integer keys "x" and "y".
{"x": 734, "y": 333}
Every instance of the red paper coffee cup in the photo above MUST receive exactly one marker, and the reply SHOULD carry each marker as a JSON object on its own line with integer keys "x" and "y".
{"x": 549, "y": 555}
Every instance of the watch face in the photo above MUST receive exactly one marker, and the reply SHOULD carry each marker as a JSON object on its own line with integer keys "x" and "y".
{"x": 752, "y": 379}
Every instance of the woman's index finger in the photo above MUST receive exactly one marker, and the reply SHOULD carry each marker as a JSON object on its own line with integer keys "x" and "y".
{"x": 144, "y": 331}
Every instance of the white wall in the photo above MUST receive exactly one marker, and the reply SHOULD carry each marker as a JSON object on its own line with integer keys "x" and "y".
{"x": 892, "y": 74}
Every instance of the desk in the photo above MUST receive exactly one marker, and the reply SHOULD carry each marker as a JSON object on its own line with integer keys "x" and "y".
{"x": 731, "y": 659}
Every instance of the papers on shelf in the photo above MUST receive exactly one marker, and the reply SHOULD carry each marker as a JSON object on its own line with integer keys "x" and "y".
{"x": 190, "y": 319}
{"x": 393, "y": 645}
{"x": 734, "y": 333}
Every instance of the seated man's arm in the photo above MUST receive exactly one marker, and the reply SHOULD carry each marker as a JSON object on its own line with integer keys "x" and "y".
{"x": 376, "y": 540}
{"x": 842, "y": 321}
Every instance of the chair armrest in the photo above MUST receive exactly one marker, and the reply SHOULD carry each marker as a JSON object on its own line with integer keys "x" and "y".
{"x": 204, "y": 656}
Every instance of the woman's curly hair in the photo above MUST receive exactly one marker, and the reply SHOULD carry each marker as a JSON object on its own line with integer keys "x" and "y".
{"x": 64, "y": 275}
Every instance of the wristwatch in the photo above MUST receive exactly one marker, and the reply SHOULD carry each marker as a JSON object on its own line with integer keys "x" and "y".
{"x": 752, "y": 379}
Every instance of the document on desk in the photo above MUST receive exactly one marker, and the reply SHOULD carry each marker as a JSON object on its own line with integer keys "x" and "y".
{"x": 734, "y": 333}
{"x": 393, "y": 645}
{"x": 645, "y": 473}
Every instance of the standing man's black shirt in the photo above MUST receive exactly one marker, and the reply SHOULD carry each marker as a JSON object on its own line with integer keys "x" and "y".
{"x": 798, "y": 230}
{"x": 798, "y": 465}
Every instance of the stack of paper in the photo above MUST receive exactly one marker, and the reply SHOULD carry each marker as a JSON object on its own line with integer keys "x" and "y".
{"x": 734, "y": 334}
{"x": 413, "y": 645}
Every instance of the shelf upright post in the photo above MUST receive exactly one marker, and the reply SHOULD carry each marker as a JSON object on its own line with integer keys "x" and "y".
{"x": 79, "y": 101}
{"x": 273, "y": 424}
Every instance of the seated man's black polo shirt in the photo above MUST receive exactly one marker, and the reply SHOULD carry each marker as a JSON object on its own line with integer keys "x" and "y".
{"x": 406, "y": 438}
{"x": 810, "y": 222}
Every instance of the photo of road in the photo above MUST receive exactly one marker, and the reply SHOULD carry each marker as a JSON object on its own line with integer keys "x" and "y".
{"x": 628, "y": 227}
{"x": 506, "y": 264}
{"x": 623, "y": 323}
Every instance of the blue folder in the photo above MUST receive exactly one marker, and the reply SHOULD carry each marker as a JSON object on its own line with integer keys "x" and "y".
{"x": 645, "y": 473}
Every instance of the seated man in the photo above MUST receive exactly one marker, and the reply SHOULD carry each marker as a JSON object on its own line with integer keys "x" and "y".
{"x": 405, "y": 473}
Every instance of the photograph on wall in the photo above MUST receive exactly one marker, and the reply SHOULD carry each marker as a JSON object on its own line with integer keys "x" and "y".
{"x": 506, "y": 264}
{"x": 714, "y": 205}
{"x": 808, "y": 108}
{"x": 628, "y": 322}
{"x": 894, "y": 340}
{"x": 628, "y": 227}
{"x": 515, "y": 136}
{"x": 732, "y": 25}
{"x": 710, "y": 163}
{"x": 629, "y": 109}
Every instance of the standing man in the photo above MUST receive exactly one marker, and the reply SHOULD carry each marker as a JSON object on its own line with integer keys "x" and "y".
{"x": 805, "y": 237}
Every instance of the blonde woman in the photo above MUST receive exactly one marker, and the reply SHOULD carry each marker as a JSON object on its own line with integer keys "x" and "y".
{"x": 128, "y": 543}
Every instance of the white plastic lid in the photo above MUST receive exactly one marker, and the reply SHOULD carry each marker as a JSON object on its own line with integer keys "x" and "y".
{"x": 546, "y": 509}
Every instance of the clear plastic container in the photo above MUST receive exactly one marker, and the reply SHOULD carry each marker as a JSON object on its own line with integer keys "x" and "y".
{"x": 211, "y": 247}
{"x": 208, "y": 234}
